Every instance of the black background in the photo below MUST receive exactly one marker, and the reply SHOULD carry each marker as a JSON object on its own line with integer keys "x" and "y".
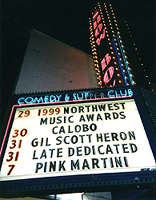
{"x": 67, "y": 21}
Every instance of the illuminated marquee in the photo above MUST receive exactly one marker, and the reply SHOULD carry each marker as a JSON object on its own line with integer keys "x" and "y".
{"x": 98, "y": 28}
{"x": 74, "y": 139}
{"x": 63, "y": 137}
{"x": 111, "y": 64}
{"x": 106, "y": 65}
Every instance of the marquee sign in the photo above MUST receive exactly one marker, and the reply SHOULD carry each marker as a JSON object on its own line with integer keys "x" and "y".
{"x": 74, "y": 139}
{"x": 107, "y": 68}
{"x": 108, "y": 52}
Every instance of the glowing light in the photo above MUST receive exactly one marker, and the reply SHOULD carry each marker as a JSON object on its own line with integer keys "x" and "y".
{"x": 95, "y": 15}
{"x": 96, "y": 33}
{"x": 98, "y": 19}
{"x": 105, "y": 61}
{"x": 98, "y": 42}
{"x": 124, "y": 59}
{"x": 119, "y": 61}
{"x": 95, "y": 25}
{"x": 100, "y": 27}
{"x": 108, "y": 74}
{"x": 102, "y": 36}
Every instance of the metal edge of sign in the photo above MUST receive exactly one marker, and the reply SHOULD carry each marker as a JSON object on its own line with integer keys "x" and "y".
{"x": 76, "y": 183}
{"x": 146, "y": 121}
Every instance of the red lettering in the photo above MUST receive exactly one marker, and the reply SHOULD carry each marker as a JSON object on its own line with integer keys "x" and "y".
{"x": 95, "y": 15}
{"x": 107, "y": 58}
{"x": 98, "y": 19}
{"x": 22, "y": 113}
{"x": 103, "y": 64}
{"x": 96, "y": 32}
{"x": 100, "y": 27}
{"x": 102, "y": 36}
{"x": 95, "y": 25}
{"x": 105, "y": 61}
{"x": 98, "y": 42}
{"x": 108, "y": 74}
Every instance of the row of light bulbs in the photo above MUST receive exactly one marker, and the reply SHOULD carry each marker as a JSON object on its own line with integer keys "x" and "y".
{"x": 93, "y": 44}
{"x": 94, "y": 53}
{"x": 109, "y": 39}
{"x": 117, "y": 30}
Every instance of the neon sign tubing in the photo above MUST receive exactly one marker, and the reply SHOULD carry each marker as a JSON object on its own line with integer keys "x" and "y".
{"x": 118, "y": 58}
{"x": 124, "y": 59}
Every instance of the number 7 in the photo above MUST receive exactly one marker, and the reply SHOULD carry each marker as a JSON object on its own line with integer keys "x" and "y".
{"x": 10, "y": 170}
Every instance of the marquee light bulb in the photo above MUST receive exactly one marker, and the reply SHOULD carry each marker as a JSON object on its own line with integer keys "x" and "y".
{"x": 132, "y": 75}
{"x": 99, "y": 77}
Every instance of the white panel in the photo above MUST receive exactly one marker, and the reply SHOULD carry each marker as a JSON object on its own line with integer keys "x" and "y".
{"x": 75, "y": 139}
{"x": 50, "y": 65}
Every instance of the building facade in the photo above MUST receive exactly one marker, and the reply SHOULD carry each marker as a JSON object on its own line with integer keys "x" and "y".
{"x": 78, "y": 123}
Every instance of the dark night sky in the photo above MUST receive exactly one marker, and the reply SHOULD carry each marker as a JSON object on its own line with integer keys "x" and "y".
{"x": 67, "y": 21}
